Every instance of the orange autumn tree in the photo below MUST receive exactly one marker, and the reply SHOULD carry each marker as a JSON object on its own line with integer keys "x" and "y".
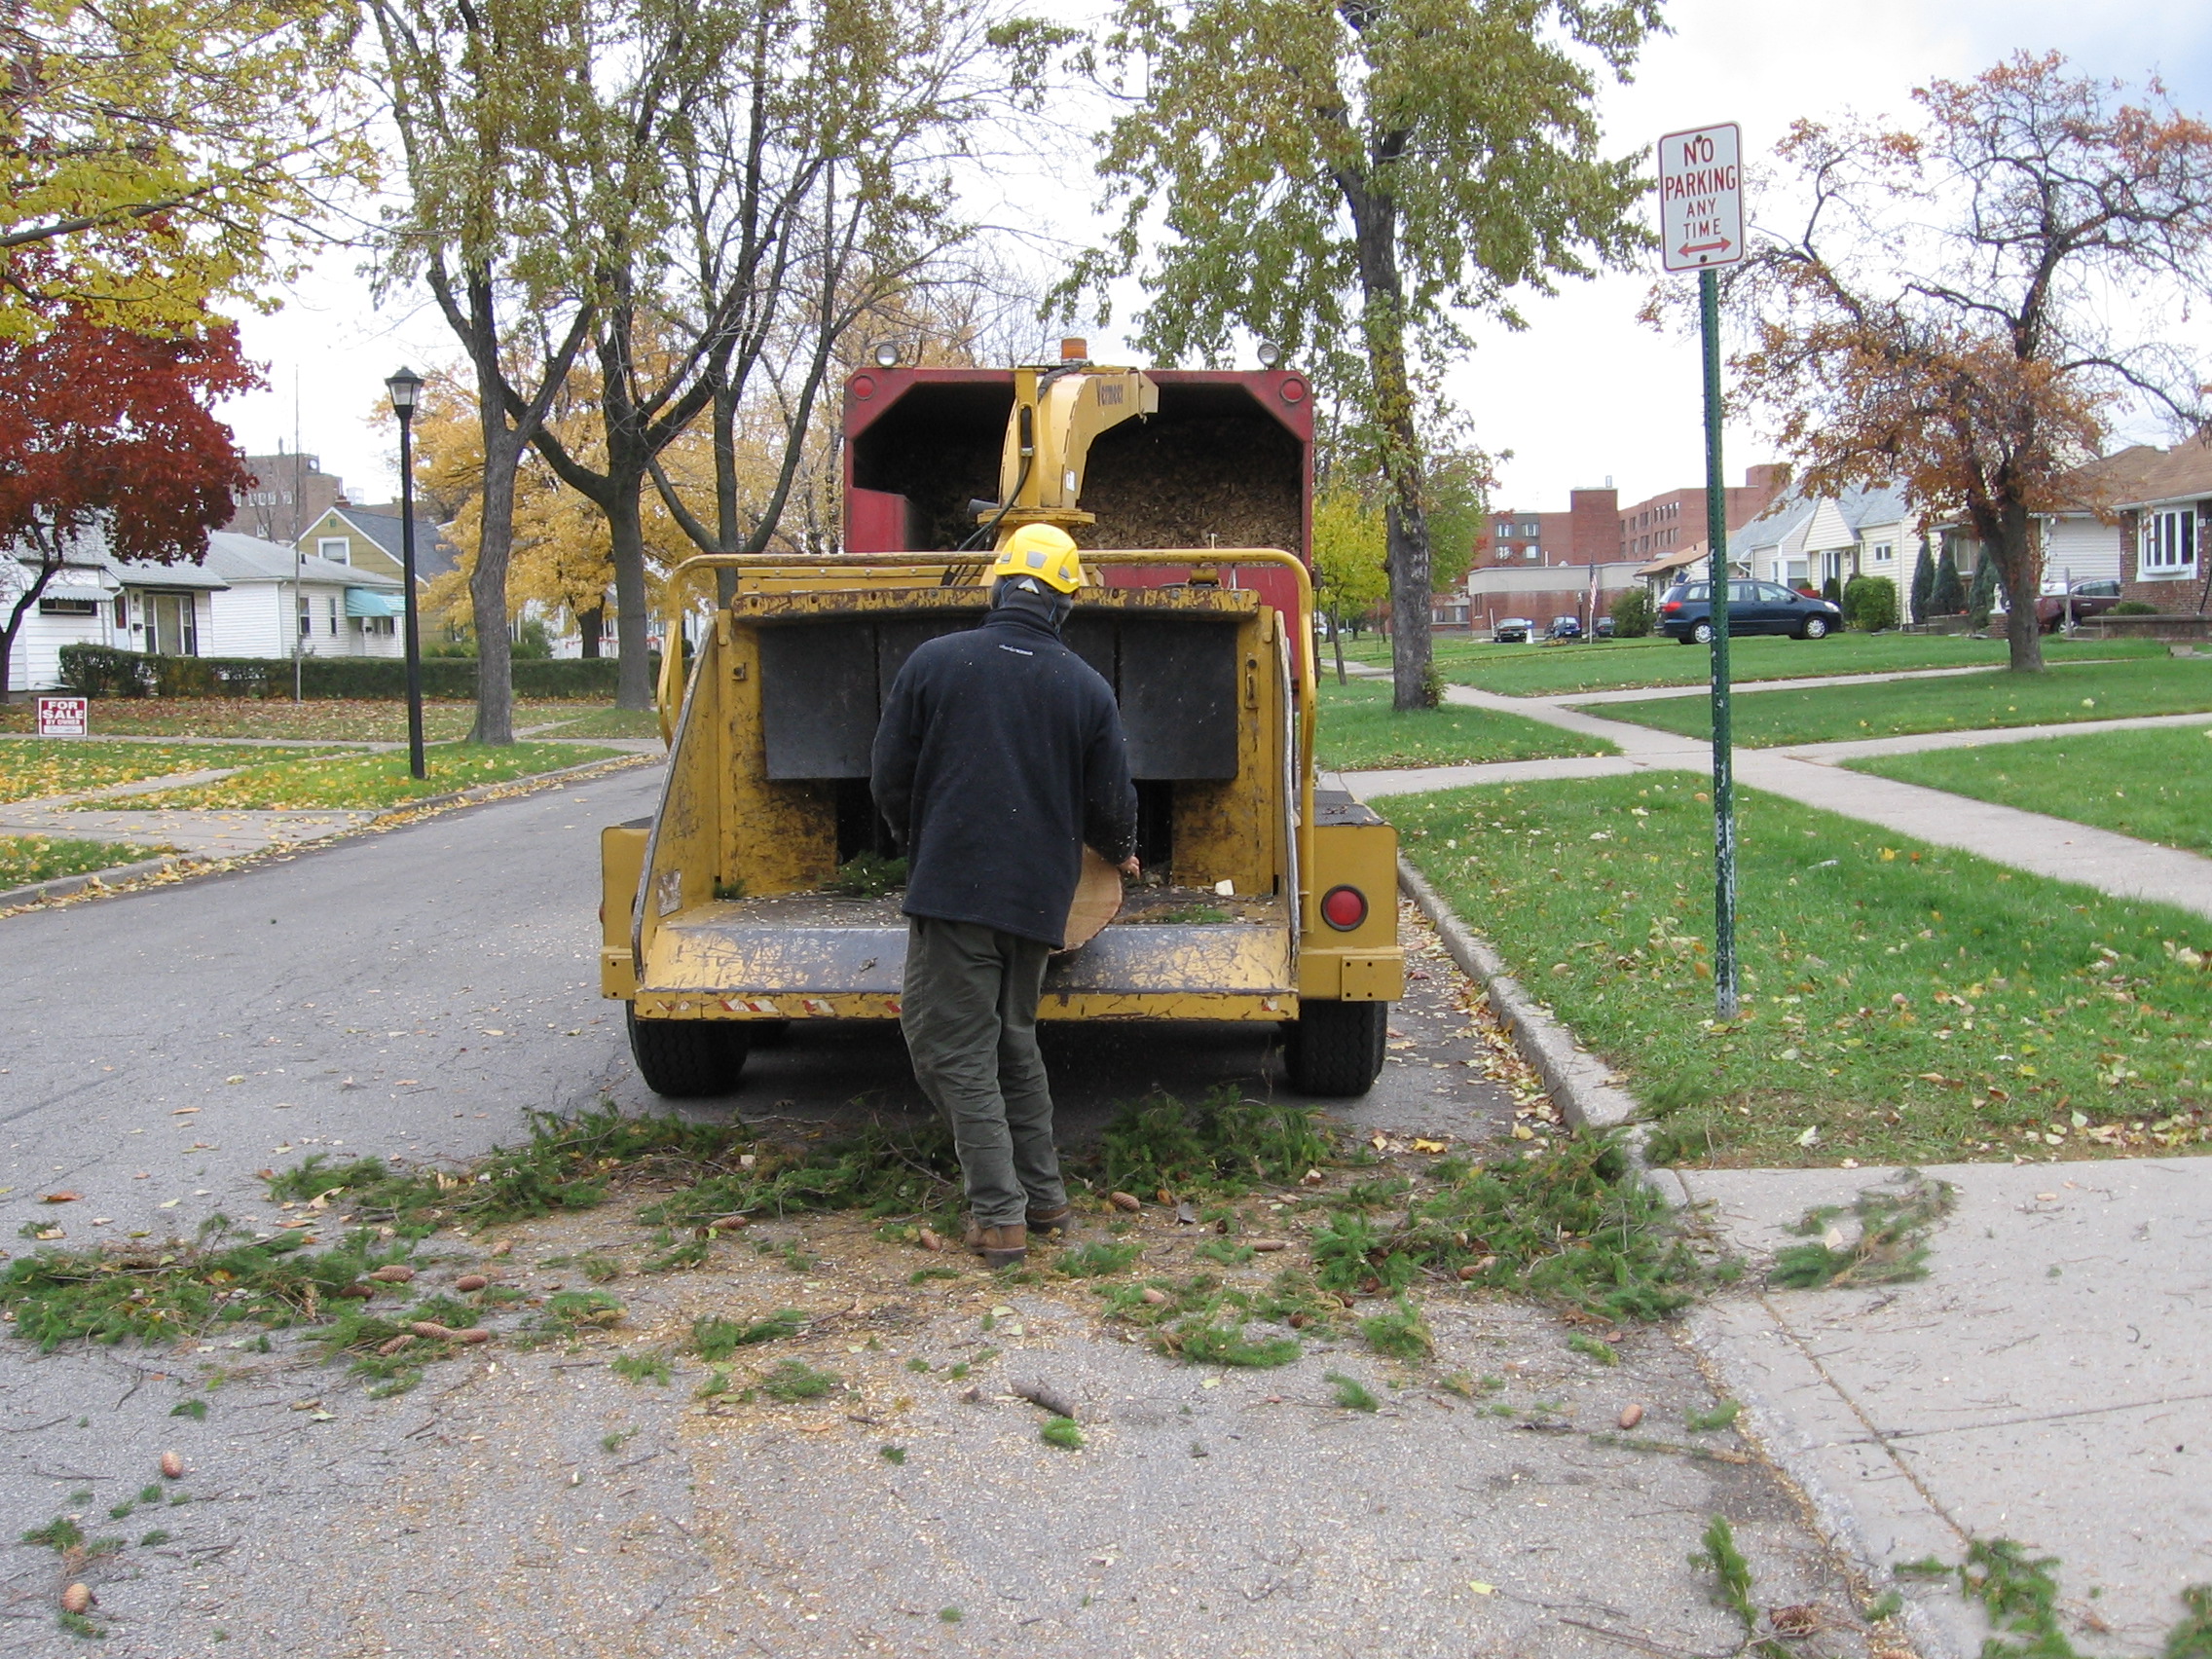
{"x": 1973, "y": 300}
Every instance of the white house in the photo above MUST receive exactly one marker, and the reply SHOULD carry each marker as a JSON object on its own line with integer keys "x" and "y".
{"x": 1803, "y": 541}
{"x": 246, "y": 598}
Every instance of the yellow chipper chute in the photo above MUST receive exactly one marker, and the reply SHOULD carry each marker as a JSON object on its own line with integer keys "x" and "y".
{"x": 757, "y": 892}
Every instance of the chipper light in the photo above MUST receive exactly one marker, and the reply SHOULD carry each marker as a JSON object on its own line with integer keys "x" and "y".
{"x": 1344, "y": 907}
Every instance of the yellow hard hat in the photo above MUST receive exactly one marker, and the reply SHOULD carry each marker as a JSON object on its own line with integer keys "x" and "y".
{"x": 1043, "y": 551}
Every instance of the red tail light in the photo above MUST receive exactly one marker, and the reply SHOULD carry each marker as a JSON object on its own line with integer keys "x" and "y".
{"x": 1671, "y": 605}
{"x": 1344, "y": 907}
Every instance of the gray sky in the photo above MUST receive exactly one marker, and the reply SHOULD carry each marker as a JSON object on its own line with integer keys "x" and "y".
{"x": 1583, "y": 394}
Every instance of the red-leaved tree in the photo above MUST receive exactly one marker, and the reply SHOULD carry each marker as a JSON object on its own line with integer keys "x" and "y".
{"x": 107, "y": 432}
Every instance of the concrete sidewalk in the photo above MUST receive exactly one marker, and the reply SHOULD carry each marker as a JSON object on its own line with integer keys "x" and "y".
{"x": 2046, "y": 1383}
{"x": 1812, "y": 775}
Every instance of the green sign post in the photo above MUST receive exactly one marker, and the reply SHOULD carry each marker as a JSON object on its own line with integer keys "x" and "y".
{"x": 1700, "y": 226}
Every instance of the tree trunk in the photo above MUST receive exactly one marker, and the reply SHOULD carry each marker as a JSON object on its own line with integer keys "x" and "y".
{"x": 591, "y": 624}
{"x": 494, "y": 542}
{"x": 2005, "y": 534}
{"x": 1375, "y": 230}
{"x": 634, "y": 683}
{"x": 1337, "y": 635}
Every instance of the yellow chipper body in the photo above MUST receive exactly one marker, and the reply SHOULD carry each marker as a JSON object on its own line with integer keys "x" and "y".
{"x": 754, "y": 892}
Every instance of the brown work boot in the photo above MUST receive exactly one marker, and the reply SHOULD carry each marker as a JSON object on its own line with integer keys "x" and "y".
{"x": 1061, "y": 1220}
{"x": 1000, "y": 1246}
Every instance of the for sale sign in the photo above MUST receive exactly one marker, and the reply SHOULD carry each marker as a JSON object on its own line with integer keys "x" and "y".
{"x": 62, "y": 717}
{"x": 1701, "y": 198}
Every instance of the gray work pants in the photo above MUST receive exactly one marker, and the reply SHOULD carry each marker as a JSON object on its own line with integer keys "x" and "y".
{"x": 970, "y": 1017}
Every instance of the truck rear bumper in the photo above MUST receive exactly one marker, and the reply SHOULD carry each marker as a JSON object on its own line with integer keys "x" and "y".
{"x": 718, "y": 961}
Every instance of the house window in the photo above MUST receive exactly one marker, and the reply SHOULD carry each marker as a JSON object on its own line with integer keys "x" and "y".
{"x": 172, "y": 627}
{"x": 1529, "y": 553}
{"x": 335, "y": 548}
{"x": 68, "y": 608}
{"x": 332, "y": 603}
{"x": 1885, "y": 552}
{"x": 2168, "y": 544}
{"x": 307, "y": 620}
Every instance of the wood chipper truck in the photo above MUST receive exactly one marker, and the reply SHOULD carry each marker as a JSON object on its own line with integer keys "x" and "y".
{"x": 747, "y": 898}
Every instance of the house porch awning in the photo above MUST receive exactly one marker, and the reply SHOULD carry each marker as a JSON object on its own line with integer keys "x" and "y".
{"x": 367, "y": 602}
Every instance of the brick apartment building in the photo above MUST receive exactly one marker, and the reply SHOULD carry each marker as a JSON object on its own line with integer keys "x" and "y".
{"x": 1523, "y": 559}
{"x": 289, "y": 492}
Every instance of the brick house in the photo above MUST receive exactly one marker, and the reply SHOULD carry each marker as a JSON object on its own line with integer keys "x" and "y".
{"x": 2162, "y": 530}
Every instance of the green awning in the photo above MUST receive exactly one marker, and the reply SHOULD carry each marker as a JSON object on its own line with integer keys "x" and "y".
{"x": 367, "y": 602}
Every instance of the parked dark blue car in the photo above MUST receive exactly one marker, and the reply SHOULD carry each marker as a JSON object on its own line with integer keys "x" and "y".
{"x": 1685, "y": 612}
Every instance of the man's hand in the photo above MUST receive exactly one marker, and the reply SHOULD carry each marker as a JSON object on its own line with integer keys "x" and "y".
{"x": 1130, "y": 869}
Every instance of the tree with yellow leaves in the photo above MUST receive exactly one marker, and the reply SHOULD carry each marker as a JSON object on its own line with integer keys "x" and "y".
{"x": 152, "y": 152}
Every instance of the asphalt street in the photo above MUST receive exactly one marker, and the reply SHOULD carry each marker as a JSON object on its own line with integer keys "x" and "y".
{"x": 415, "y": 993}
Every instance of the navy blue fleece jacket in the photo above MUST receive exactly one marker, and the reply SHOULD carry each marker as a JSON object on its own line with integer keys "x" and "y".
{"x": 999, "y": 756}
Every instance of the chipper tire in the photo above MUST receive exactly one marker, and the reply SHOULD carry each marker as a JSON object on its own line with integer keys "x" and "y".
{"x": 688, "y": 1059}
{"x": 1335, "y": 1047}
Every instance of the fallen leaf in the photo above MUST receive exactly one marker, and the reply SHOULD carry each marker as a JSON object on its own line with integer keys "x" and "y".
{"x": 1480, "y": 1588}
{"x": 61, "y": 1198}
{"x": 1431, "y": 1146}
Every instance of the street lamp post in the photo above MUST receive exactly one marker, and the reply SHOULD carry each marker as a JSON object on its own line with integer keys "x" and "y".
{"x": 405, "y": 388}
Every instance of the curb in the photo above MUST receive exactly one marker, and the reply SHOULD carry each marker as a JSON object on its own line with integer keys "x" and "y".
{"x": 1576, "y": 1078}
{"x": 67, "y": 886}
{"x": 521, "y": 785}
{"x": 62, "y": 886}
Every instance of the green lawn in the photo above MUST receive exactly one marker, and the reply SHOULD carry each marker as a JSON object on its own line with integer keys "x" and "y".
{"x": 351, "y": 720}
{"x": 602, "y": 722}
{"x": 1907, "y": 1003}
{"x": 364, "y": 781}
{"x": 2154, "y": 785}
{"x": 2105, "y": 691}
{"x": 1359, "y": 729}
{"x": 1606, "y": 665}
{"x": 25, "y": 858}
{"x": 32, "y": 767}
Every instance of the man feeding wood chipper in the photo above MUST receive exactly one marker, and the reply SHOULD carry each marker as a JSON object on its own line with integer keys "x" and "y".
{"x": 999, "y": 758}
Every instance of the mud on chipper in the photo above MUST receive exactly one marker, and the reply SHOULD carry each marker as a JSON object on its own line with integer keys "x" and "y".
{"x": 742, "y": 901}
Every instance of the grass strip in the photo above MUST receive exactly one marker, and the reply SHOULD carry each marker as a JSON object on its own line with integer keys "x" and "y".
{"x": 1897, "y": 708}
{"x": 33, "y": 768}
{"x": 2154, "y": 785}
{"x": 1618, "y": 665}
{"x": 352, "y": 720}
{"x": 359, "y": 782}
{"x": 605, "y": 723}
{"x": 1361, "y": 729}
{"x": 1902, "y": 1003}
{"x": 25, "y": 858}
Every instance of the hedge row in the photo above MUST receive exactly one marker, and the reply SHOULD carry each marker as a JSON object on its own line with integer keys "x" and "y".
{"x": 101, "y": 671}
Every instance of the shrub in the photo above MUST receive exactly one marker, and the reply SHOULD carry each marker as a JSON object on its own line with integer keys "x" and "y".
{"x": 1832, "y": 590}
{"x": 1983, "y": 600}
{"x": 1947, "y": 597}
{"x": 1870, "y": 604}
{"x": 101, "y": 671}
{"x": 1632, "y": 614}
{"x": 1923, "y": 583}
{"x": 2135, "y": 607}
